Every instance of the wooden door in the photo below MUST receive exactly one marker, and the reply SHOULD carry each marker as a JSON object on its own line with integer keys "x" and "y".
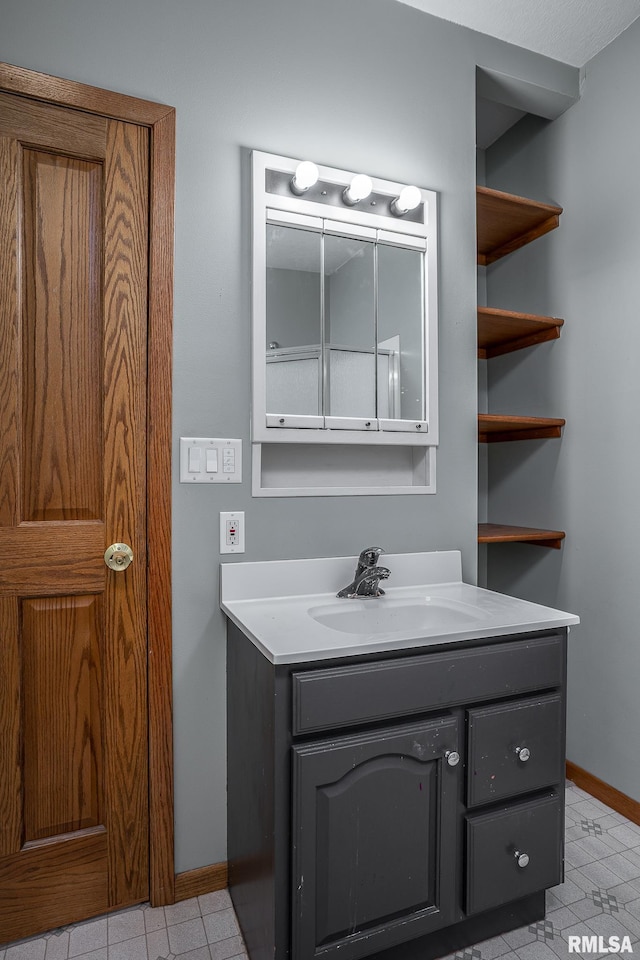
{"x": 374, "y": 839}
{"x": 73, "y": 649}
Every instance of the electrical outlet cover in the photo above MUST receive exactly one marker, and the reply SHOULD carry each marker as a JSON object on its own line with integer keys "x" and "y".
{"x": 232, "y": 531}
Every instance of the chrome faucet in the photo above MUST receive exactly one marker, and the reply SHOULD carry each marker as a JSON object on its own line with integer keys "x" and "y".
{"x": 366, "y": 582}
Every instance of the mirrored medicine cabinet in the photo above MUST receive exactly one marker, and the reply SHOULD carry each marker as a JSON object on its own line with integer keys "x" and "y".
{"x": 344, "y": 308}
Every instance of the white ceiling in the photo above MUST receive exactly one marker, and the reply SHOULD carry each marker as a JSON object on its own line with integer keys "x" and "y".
{"x": 572, "y": 31}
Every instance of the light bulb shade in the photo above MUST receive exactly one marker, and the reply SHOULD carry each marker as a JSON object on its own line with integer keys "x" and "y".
{"x": 359, "y": 189}
{"x": 409, "y": 199}
{"x": 306, "y": 176}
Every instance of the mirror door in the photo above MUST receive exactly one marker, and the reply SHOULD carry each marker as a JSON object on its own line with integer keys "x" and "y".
{"x": 350, "y": 333}
{"x": 294, "y": 334}
{"x": 400, "y": 316}
{"x": 344, "y": 330}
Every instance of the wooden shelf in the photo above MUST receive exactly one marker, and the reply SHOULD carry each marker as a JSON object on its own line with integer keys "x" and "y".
{"x": 502, "y": 533}
{"x": 496, "y": 427}
{"x": 506, "y": 222}
{"x": 502, "y": 331}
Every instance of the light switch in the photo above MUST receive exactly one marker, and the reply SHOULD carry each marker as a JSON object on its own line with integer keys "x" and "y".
{"x": 195, "y": 459}
{"x": 210, "y": 460}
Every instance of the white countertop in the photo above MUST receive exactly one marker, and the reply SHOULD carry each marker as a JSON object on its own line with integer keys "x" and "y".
{"x": 289, "y": 609}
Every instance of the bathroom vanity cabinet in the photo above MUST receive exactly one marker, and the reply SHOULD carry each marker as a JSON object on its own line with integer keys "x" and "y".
{"x": 409, "y": 802}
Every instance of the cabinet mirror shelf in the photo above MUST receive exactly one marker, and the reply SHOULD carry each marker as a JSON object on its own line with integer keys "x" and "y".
{"x": 506, "y": 222}
{"x": 506, "y": 533}
{"x": 503, "y": 331}
{"x": 495, "y": 428}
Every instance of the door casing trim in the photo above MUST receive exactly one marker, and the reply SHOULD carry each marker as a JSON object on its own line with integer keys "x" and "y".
{"x": 160, "y": 119}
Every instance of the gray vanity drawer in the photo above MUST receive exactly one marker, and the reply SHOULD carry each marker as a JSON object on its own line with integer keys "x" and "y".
{"x": 532, "y": 829}
{"x": 334, "y": 697}
{"x": 500, "y": 736}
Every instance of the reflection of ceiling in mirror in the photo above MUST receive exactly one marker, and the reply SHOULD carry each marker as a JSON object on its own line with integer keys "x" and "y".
{"x": 289, "y": 253}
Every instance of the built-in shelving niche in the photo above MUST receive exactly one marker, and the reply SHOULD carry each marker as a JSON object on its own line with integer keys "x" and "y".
{"x": 505, "y": 223}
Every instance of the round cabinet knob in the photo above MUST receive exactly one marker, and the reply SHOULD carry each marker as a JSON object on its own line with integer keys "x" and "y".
{"x": 522, "y": 859}
{"x": 452, "y": 757}
{"x": 118, "y": 556}
{"x": 523, "y": 753}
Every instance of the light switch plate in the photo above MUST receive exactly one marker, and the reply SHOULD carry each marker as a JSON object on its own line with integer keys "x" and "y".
{"x": 210, "y": 460}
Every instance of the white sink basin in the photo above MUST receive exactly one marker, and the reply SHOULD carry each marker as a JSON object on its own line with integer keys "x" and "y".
{"x": 388, "y": 615}
{"x": 289, "y": 609}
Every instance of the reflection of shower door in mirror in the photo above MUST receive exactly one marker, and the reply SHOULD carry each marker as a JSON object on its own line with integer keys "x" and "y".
{"x": 351, "y": 382}
{"x": 293, "y": 381}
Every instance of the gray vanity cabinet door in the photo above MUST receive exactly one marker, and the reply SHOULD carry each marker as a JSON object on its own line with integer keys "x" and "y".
{"x": 374, "y": 839}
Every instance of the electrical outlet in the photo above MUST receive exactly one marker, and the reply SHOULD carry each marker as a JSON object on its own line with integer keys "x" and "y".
{"x": 232, "y": 531}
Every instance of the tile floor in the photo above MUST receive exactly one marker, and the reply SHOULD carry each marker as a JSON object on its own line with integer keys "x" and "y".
{"x": 599, "y": 897}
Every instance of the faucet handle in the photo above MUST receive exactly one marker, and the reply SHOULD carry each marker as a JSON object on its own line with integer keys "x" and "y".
{"x": 369, "y": 557}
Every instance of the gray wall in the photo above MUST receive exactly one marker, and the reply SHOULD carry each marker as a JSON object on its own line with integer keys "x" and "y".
{"x": 331, "y": 82}
{"x": 586, "y": 272}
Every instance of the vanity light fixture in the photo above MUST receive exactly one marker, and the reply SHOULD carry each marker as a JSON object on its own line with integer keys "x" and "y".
{"x": 306, "y": 176}
{"x": 359, "y": 189}
{"x": 408, "y": 200}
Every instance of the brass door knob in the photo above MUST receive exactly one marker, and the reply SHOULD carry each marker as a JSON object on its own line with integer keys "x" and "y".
{"x": 118, "y": 556}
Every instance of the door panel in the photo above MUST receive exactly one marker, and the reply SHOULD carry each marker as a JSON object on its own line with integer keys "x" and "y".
{"x": 61, "y": 339}
{"x": 368, "y": 846}
{"x": 62, "y": 739}
{"x": 73, "y": 671}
